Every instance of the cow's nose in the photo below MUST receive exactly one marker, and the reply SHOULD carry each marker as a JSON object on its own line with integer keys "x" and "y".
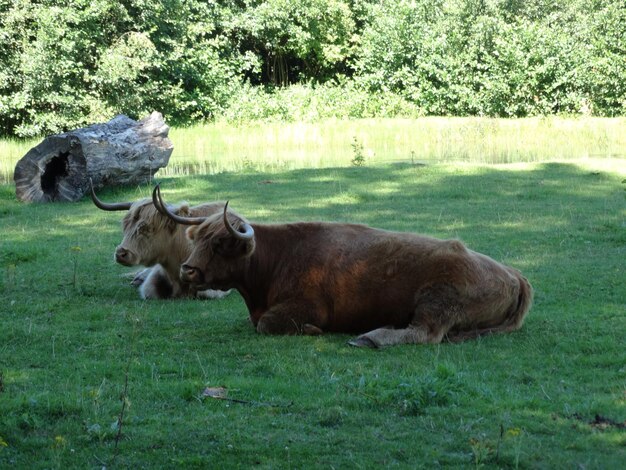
{"x": 122, "y": 255}
{"x": 189, "y": 273}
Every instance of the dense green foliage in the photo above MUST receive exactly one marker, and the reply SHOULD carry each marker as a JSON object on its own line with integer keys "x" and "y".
{"x": 67, "y": 63}
{"x": 499, "y": 58}
{"x": 77, "y": 345}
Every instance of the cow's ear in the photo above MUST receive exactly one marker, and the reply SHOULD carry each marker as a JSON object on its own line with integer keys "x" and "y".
{"x": 184, "y": 210}
{"x": 191, "y": 232}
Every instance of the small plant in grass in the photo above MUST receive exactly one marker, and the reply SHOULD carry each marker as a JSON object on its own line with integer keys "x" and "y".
{"x": 438, "y": 389}
{"x": 59, "y": 444}
{"x": 358, "y": 154}
{"x": 332, "y": 416}
{"x": 247, "y": 164}
{"x": 10, "y": 275}
{"x": 75, "y": 250}
{"x": 482, "y": 448}
{"x": 413, "y": 398}
{"x": 515, "y": 436}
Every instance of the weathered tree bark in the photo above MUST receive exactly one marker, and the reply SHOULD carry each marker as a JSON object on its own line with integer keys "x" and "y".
{"x": 119, "y": 152}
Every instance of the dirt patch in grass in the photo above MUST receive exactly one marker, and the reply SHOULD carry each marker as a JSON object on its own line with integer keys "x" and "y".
{"x": 601, "y": 422}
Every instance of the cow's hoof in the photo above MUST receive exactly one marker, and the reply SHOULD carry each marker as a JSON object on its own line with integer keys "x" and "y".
{"x": 312, "y": 330}
{"x": 137, "y": 281}
{"x": 270, "y": 324}
{"x": 363, "y": 342}
{"x": 139, "y": 277}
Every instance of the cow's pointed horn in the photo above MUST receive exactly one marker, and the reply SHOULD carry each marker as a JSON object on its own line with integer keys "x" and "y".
{"x": 106, "y": 206}
{"x": 248, "y": 231}
{"x": 162, "y": 208}
{"x": 156, "y": 201}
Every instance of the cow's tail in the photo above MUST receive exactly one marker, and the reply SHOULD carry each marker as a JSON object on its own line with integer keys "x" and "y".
{"x": 524, "y": 302}
{"x": 513, "y": 320}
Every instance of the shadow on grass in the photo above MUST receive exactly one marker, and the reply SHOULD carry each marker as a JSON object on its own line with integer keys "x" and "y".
{"x": 525, "y": 217}
{"x": 563, "y": 225}
{"x": 491, "y": 209}
{"x": 467, "y": 202}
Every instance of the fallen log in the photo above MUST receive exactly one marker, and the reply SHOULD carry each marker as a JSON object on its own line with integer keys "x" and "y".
{"x": 119, "y": 152}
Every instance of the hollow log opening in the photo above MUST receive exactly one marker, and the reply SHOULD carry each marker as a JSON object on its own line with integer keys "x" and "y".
{"x": 56, "y": 168}
{"x": 119, "y": 152}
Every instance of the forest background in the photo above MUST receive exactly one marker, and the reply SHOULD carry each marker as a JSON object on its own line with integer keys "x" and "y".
{"x": 67, "y": 64}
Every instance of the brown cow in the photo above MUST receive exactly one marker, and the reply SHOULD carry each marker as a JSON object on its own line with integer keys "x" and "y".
{"x": 152, "y": 239}
{"x": 314, "y": 277}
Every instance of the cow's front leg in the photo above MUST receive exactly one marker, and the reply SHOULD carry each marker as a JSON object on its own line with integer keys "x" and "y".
{"x": 139, "y": 277}
{"x": 157, "y": 285}
{"x": 291, "y": 318}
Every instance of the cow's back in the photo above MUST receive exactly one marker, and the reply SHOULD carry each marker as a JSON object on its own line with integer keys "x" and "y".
{"x": 359, "y": 276}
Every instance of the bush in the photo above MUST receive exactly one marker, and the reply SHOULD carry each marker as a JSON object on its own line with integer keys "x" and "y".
{"x": 309, "y": 103}
{"x": 472, "y": 57}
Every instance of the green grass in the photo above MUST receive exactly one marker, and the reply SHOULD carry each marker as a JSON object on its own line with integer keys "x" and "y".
{"x": 217, "y": 147}
{"x": 72, "y": 332}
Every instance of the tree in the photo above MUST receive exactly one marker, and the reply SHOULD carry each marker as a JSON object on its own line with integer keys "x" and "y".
{"x": 296, "y": 41}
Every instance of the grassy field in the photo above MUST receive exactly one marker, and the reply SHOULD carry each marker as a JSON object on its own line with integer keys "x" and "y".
{"x": 213, "y": 148}
{"x": 79, "y": 350}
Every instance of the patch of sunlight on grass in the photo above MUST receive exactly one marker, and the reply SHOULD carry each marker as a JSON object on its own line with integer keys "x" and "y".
{"x": 453, "y": 226}
{"x": 385, "y": 187}
{"x": 508, "y": 225}
{"x": 77, "y": 222}
{"x": 317, "y": 203}
{"x": 260, "y": 212}
{"x": 328, "y": 178}
{"x": 12, "y": 377}
{"x": 343, "y": 198}
{"x": 612, "y": 438}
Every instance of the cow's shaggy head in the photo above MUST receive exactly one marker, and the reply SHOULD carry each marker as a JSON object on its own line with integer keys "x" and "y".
{"x": 219, "y": 243}
{"x": 147, "y": 232}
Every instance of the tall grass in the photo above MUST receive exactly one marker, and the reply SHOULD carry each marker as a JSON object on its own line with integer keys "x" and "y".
{"x": 11, "y": 150}
{"x": 217, "y": 147}
{"x": 330, "y": 143}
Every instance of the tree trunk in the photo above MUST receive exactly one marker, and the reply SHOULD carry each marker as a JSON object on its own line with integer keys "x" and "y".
{"x": 119, "y": 152}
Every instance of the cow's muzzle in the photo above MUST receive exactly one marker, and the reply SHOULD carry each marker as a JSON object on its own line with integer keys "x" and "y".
{"x": 124, "y": 256}
{"x": 190, "y": 274}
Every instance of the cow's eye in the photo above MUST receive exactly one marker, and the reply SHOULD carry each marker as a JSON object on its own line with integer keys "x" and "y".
{"x": 143, "y": 228}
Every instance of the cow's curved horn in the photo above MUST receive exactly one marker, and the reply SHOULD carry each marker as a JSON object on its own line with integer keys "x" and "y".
{"x": 248, "y": 231}
{"x": 106, "y": 206}
{"x": 156, "y": 201}
{"x": 162, "y": 208}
